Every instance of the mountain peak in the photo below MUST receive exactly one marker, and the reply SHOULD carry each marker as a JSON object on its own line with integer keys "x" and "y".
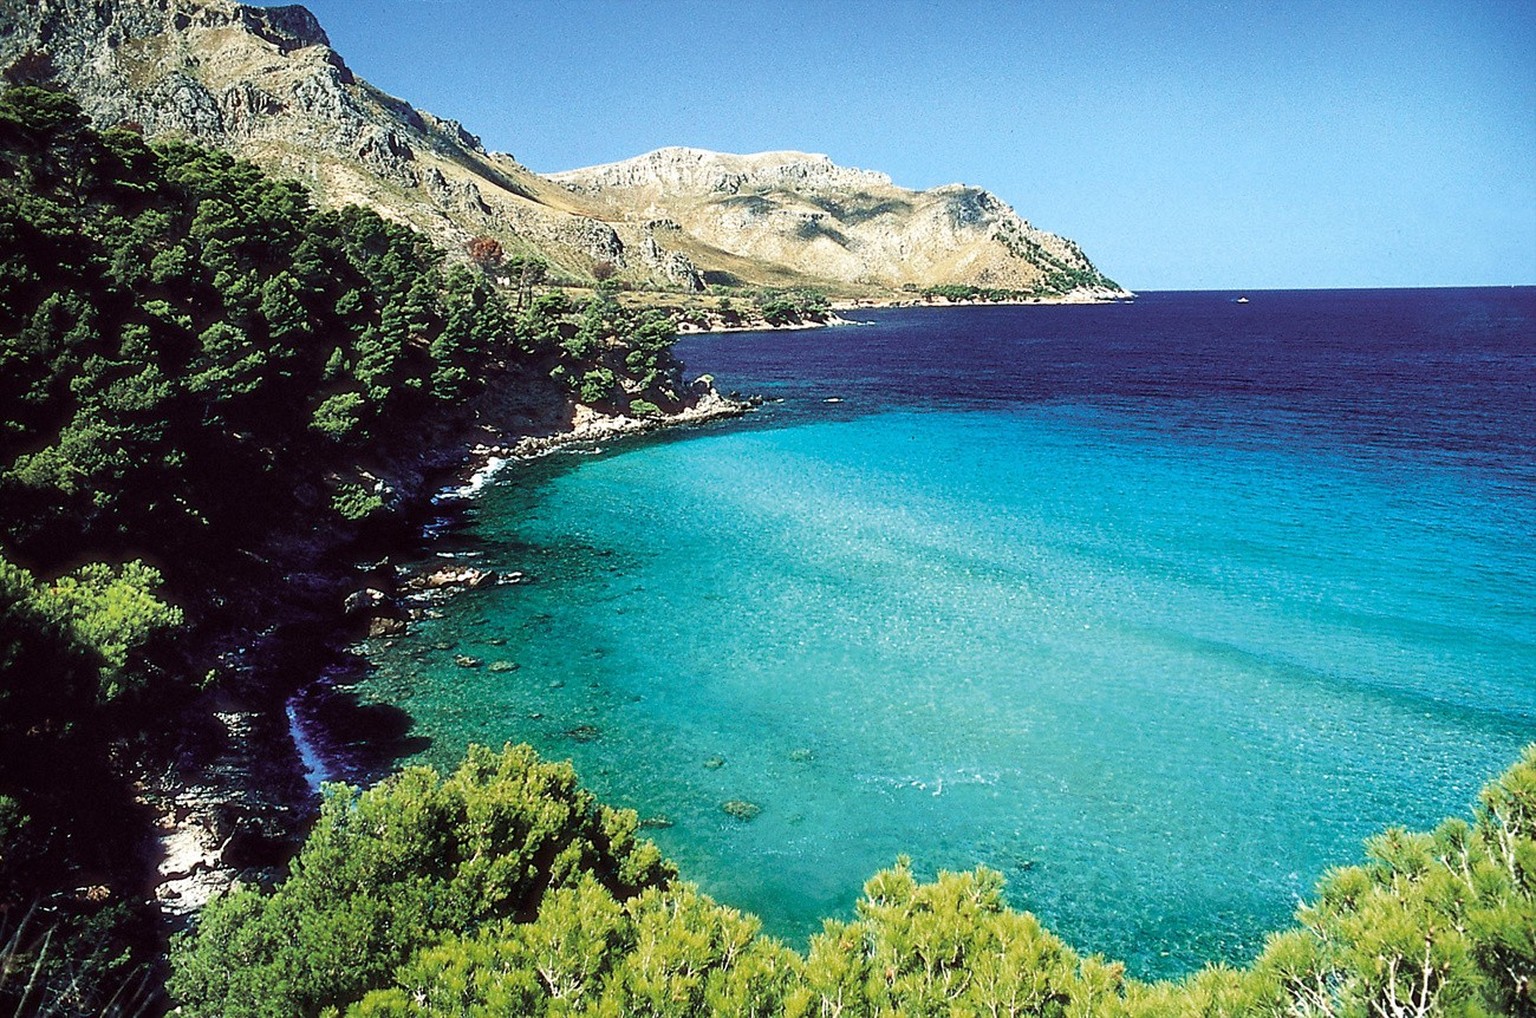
{"x": 287, "y": 28}
{"x": 679, "y": 170}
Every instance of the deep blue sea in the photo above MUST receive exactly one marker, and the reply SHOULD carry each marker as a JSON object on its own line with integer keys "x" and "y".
{"x": 1158, "y": 608}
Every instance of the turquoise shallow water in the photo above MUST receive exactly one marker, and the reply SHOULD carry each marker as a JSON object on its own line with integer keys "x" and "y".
{"x": 1160, "y": 681}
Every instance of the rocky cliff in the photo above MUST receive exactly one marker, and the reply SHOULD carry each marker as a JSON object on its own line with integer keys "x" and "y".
{"x": 265, "y": 83}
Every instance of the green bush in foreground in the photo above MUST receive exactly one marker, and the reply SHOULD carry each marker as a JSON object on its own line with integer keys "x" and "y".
{"x": 389, "y": 872}
{"x": 507, "y": 890}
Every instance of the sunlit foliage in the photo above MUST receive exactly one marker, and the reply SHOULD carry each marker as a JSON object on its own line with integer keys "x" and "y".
{"x": 1432, "y": 924}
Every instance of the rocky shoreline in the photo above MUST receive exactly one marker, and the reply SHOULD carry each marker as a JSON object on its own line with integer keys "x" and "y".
{"x": 718, "y": 323}
{"x": 714, "y": 321}
{"x": 1076, "y": 297}
{"x": 237, "y": 796}
{"x": 589, "y": 425}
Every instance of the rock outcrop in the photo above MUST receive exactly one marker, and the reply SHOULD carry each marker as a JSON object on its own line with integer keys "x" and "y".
{"x": 671, "y": 172}
{"x": 264, "y": 83}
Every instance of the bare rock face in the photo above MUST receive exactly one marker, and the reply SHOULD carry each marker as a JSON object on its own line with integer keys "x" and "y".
{"x": 147, "y": 61}
{"x": 264, "y": 83}
{"x": 684, "y": 171}
{"x": 803, "y": 213}
{"x": 450, "y": 576}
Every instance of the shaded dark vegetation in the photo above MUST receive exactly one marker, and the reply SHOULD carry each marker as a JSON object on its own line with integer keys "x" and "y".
{"x": 860, "y": 208}
{"x": 205, "y": 385}
{"x": 790, "y": 307}
{"x": 721, "y": 278}
{"x": 753, "y": 203}
{"x": 1058, "y": 276}
{"x": 810, "y": 229}
{"x": 1055, "y": 284}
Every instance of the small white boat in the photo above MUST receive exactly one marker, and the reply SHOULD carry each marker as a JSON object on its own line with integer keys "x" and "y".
{"x": 1241, "y": 300}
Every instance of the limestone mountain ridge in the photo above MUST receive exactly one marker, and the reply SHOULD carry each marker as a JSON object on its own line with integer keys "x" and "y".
{"x": 265, "y": 84}
{"x": 856, "y": 226}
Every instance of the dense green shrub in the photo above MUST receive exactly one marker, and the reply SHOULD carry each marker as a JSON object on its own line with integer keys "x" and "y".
{"x": 339, "y": 416}
{"x": 70, "y": 653}
{"x": 642, "y": 408}
{"x": 1433, "y": 924}
{"x": 597, "y": 387}
{"x": 391, "y": 871}
{"x": 355, "y": 502}
{"x": 789, "y": 307}
{"x": 115, "y": 611}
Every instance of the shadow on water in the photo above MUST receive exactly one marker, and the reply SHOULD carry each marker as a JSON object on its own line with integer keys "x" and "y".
{"x": 342, "y": 738}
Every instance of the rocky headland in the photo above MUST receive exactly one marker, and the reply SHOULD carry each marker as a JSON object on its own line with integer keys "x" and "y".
{"x": 801, "y": 214}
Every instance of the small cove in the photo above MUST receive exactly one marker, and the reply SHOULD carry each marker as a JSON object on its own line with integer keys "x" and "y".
{"x": 1160, "y": 642}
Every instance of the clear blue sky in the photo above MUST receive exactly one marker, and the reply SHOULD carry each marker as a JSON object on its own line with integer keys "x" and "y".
{"x": 1237, "y": 145}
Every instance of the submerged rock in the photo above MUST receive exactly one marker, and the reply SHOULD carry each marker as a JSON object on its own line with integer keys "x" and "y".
{"x": 741, "y": 809}
{"x": 584, "y": 733}
{"x": 374, "y": 611}
{"x": 801, "y": 755}
{"x": 363, "y": 602}
{"x": 451, "y": 576}
{"x": 504, "y": 666}
{"x": 714, "y": 763}
{"x": 657, "y": 822}
{"x": 384, "y": 625}
{"x": 465, "y": 661}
